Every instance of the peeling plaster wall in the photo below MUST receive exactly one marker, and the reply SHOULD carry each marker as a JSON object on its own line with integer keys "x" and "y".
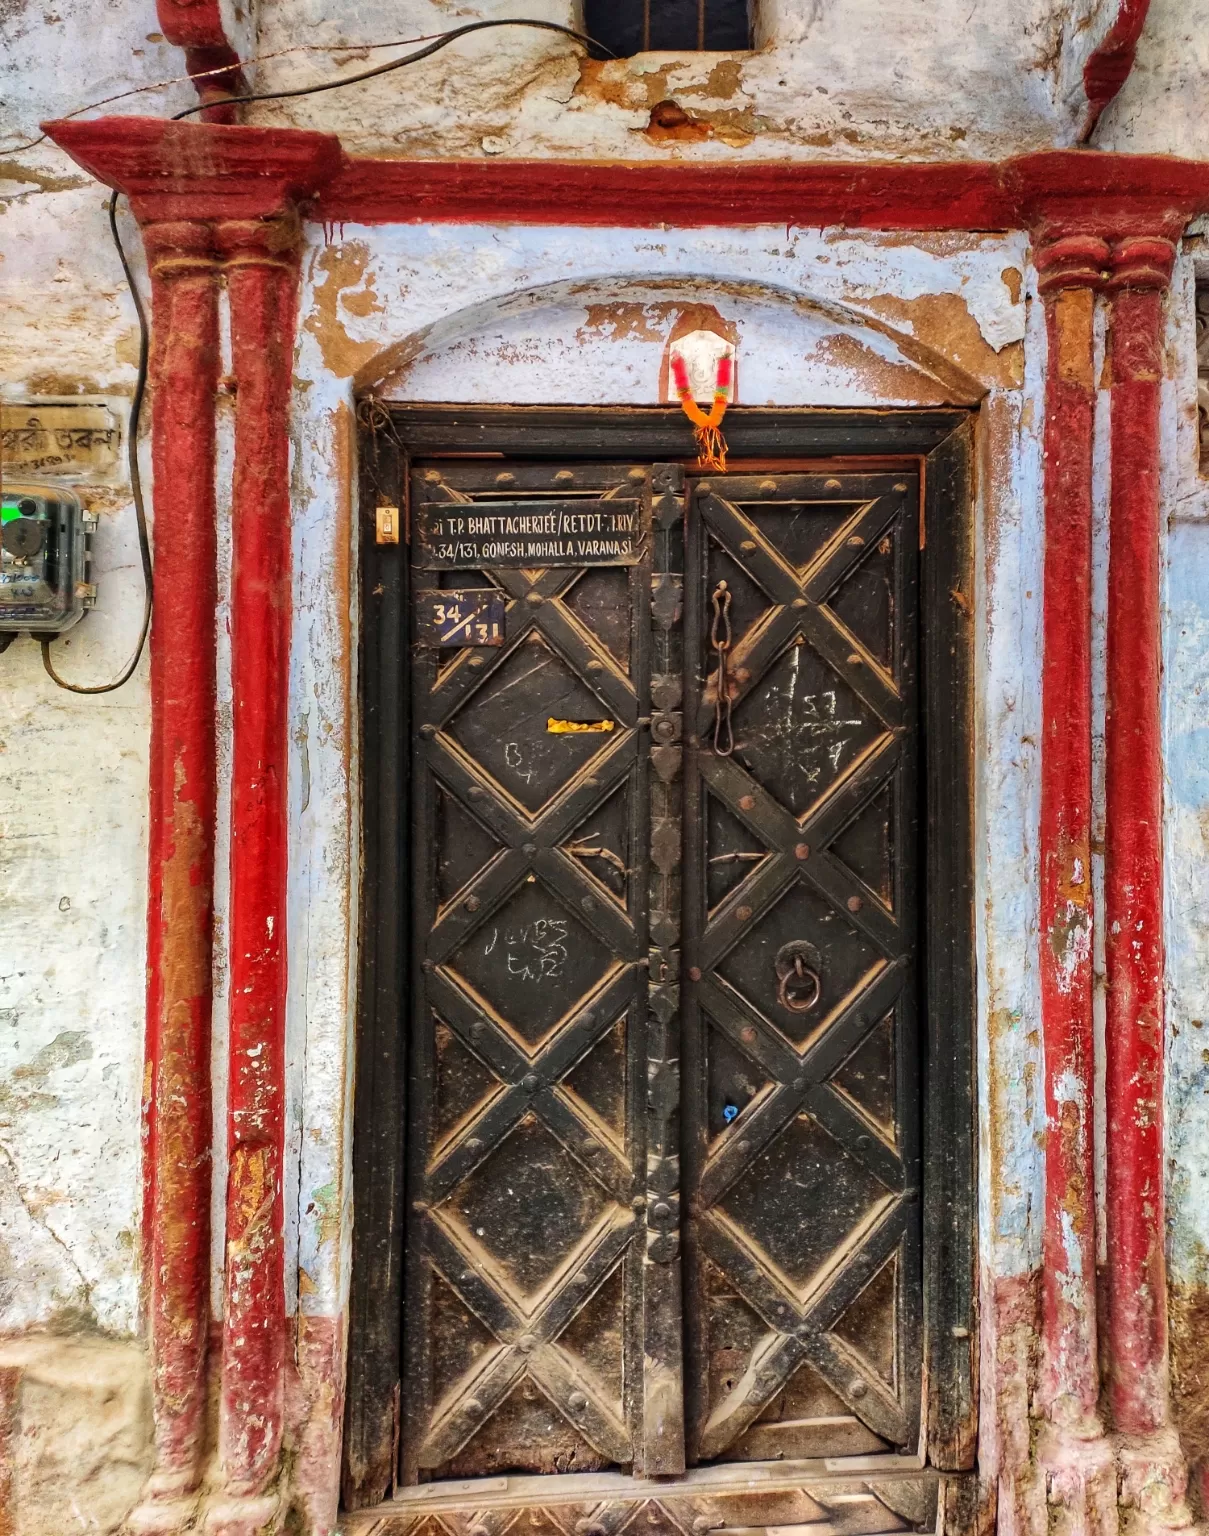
{"x": 498, "y": 313}
{"x": 74, "y": 1407}
{"x": 951, "y": 78}
{"x": 73, "y": 787}
{"x": 1161, "y": 109}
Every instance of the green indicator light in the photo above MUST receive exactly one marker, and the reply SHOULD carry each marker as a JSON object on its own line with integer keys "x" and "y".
{"x": 12, "y": 507}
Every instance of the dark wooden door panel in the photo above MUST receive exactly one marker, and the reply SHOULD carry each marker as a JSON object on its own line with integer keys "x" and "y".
{"x": 543, "y": 1294}
{"x": 801, "y": 1103}
{"x": 566, "y": 778}
{"x": 601, "y": 871}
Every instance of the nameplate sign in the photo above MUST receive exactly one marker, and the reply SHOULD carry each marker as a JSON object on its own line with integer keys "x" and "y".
{"x": 76, "y": 442}
{"x": 525, "y": 534}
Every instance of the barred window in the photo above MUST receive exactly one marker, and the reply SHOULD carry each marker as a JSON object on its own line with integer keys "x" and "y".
{"x": 674, "y": 26}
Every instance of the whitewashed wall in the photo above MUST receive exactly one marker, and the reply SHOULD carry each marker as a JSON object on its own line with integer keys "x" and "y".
{"x": 507, "y": 314}
{"x": 479, "y": 313}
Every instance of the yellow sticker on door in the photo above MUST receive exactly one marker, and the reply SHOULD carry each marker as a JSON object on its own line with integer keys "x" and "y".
{"x": 574, "y": 727}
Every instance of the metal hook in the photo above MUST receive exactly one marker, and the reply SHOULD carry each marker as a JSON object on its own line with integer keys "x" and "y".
{"x": 720, "y": 639}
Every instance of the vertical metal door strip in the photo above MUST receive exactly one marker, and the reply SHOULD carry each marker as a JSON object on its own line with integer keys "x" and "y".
{"x": 564, "y": 774}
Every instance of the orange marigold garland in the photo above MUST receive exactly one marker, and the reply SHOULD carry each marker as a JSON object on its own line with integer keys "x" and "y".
{"x": 711, "y": 445}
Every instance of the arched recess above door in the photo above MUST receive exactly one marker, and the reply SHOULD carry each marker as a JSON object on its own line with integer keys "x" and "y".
{"x": 603, "y": 341}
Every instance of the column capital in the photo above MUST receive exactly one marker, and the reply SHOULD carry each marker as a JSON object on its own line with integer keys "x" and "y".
{"x": 179, "y": 247}
{"x": 1072, "y": 261}
{"x": 262, "y": 242}
{"x": 1142, "y": 262}
{"x": 189, "y": 170}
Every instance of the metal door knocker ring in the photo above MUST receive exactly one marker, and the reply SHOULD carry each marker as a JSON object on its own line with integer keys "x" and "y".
{"x": 798, "y": 984}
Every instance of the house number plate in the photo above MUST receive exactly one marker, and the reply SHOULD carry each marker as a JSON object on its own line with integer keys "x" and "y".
{"x": 466, "y": 616}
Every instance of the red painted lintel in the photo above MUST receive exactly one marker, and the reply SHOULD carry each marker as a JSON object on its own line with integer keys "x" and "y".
{"x": 207, "y": 170}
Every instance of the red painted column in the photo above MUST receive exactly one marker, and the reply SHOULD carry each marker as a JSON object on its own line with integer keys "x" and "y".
{"x": 262, "y": 276}
{"x": 1069, "y": 272}
{"x": 176, "y": 1089}
{"x": 1136, "y": 1277}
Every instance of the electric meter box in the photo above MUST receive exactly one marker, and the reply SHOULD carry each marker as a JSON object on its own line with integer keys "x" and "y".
{"x": 45, "y": 554}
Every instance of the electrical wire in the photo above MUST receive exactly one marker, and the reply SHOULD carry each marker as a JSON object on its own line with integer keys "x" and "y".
{"x": 136, "y": 481}
{"x": 220, "y": 69}
{"x": 443, "y": 40}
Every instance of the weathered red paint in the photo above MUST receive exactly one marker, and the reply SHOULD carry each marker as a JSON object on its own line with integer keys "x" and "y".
{"x": 1069, "y": 272}
{"x": 1108, "y": 66}
{"x": 235, "y": 173}
{"x": 200, "y": 170}
{"x": 197, "y": 27}
{"x": 189, "y": 169}
{"x": 1136, "y": 1272}
{"x": 10, "y": 1428}
{"x": 315, "y": 1412}
{"x": 177, "y": 1127}
{"x": 262, "y": 274}
{"x": 868, "y": 195}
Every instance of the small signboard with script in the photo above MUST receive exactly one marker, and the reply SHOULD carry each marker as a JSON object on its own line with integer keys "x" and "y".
{"x": 529, "y": 534}
{"x": 77, "y": 440}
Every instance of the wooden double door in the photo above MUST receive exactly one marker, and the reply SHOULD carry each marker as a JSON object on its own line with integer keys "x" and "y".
{"x": 664, "y": 1078}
